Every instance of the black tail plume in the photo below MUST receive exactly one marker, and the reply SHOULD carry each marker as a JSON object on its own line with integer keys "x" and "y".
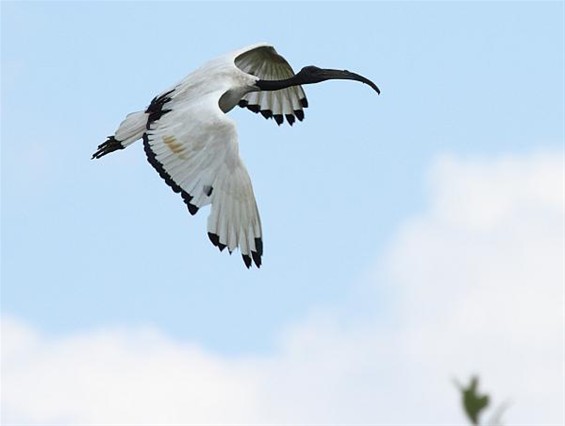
{"x": 111, "y": 145}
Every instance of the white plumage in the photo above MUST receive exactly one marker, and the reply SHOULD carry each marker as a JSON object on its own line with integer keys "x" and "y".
{"x": 192, "y": 143}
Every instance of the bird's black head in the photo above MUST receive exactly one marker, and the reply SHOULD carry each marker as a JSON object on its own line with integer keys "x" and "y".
{"x": 313, "y": 74}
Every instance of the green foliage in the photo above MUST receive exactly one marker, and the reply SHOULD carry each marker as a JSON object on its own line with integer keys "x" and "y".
{"x": 473, "y": 402}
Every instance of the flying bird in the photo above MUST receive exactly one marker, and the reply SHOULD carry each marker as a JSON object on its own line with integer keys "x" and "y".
{"x": 193, "y": 144}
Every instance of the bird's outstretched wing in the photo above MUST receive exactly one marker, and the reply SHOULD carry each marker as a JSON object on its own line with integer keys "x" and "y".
{"x": 264, "y": 62}
{"x": 193, "y": 146}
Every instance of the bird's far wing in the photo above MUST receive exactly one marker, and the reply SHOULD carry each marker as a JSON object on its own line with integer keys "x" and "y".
{"x": 193, "y": 146}
{"x": 264, "y": 62}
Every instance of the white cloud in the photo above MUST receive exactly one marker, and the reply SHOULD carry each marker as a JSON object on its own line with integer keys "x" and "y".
{"x": 475, "y": 284}
{"x": 119, "y": 377}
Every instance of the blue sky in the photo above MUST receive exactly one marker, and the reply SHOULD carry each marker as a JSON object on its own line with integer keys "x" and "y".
{"x": 99, "y": 245}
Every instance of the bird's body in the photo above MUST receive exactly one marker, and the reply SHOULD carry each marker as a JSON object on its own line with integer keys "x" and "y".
{"x": 192, "y": 143}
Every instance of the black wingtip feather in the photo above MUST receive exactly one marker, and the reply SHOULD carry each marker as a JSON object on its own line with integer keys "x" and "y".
{"x": 246, "y": 260}
{"x": 187, "y": 199}
{"x": 259, "y": 246}
{"x": 192, "y": 209}
{"x": 267, "y": 113}
{"x": 215, "y": 239}
{"x": 256, "y": 258}
{"x": 290, "y": 118}
{"x": 278, "y": 118}
{"x": 299, "y": 114}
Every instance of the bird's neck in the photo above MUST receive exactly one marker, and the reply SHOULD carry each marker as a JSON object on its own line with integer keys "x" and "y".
{"x": 270, "y": 85}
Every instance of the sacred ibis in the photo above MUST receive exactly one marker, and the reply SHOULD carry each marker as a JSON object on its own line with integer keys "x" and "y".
{"x": 191, "y": 142}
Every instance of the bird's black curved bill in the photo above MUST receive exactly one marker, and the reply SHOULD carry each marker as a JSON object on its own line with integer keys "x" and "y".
{"x": 330, "y": 74}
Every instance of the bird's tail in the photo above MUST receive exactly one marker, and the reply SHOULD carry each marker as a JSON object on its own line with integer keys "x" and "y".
{"x": 130, "y": 130}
